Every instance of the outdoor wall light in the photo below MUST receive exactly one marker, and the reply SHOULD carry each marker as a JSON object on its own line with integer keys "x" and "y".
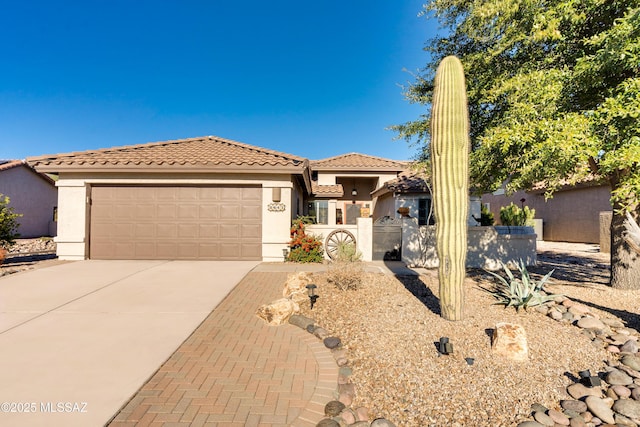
{"x": 276, "y": 194}
{"x": 445, "y": 347}
{"x": 285, "y": 253}
{"x": 354, "y": 192}
{"x": 588, "y": 380}
{"x": 311, "y": 288}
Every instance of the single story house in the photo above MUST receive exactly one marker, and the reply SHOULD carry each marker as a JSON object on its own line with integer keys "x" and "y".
{"x": 203, "y": 198}
{"x": 32, "y": 194}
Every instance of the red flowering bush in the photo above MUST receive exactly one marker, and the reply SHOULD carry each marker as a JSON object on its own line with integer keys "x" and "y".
{"x": 304, "y": 247}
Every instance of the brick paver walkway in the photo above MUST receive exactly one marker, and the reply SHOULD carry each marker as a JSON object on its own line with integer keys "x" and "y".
{"x": 234, "y": 370}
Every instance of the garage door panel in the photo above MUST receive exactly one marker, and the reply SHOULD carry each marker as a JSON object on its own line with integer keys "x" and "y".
{"x": 230, "y": 250}
{"x": 141, "y": 194}
{"x": 165, "y": 193}
{"x": 209, "y": 212}
{"x": 230, "y": 194}
{"x": 209, "y": 230}
{"x": 251, "y": 231}
{"x": 210, "y": 193}
{"x": 253, "y": 193}
{"x": 123, "y": 212}
{"x": 121, "y": 231}
{"x": 206, "y": 222}
{"x": 146, "y": 250}
{"x": 253, "y": 212}
{"x": 188, "y": 251}
{"x": 167, "y": 231}
{"x": 166, "y": 211}
{"x": 145, "y": 230}
{"x": 251, "y": 251}
{"x": 209, "y": 251}
{"x": 189, "y": 231}
{"x": 145, "y": 211}
{"x": 188, "y": 194}
{"x": 188, "y": 211}
{"x": 123, "y": 249}
{"x": 230, "y": 212}
{"x": 229, "y": 231}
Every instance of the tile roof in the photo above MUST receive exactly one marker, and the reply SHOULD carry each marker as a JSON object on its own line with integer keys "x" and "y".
{"x": 358, "y": 162}
{"x": 202, "y": 154}
{"x": 571, "y": 183}
{"x": 335, "y": 190}
{"x": 408, "y": 181}
{"x": 8, "y": 164}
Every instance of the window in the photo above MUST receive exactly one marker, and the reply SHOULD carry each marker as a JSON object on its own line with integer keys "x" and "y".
{"x": 319, "y": 211}
{"x": 424, "y": 208}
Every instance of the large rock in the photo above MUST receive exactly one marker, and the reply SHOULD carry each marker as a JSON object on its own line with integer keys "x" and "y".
{"x": 600, "y": 408}
{"x": 590, "y": 323}
{"x": 295, "y": 287}
{"x": 578, "y": 391}
{"x": 627, "y": 407}
{"x": 616, "y": 377}
{"x": 278, "y": 312}
{"x": 510, "y": 340}
{"x": 632, "y": 361}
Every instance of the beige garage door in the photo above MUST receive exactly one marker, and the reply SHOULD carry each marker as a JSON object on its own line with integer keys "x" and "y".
{"x": 204, "y": 222}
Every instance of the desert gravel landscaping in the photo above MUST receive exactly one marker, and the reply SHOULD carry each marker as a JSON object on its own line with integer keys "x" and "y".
{"x": 390, "y": 327}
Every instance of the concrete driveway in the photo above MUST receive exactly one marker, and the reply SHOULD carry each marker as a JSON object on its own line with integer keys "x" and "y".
{"x": 77, "y": 340}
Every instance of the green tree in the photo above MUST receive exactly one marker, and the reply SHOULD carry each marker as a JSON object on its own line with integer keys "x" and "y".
{"x": 8, "y": 223}
{"x": 554, "y": 98}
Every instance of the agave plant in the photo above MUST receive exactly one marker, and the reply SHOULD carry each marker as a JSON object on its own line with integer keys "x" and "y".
{"x": 524, "y": 292}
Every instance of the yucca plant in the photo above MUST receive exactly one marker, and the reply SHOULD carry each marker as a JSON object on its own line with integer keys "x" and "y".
{"x": 524, "y": 292}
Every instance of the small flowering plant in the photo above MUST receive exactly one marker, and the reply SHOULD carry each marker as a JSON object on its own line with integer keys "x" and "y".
{"x": 304, "y": 247}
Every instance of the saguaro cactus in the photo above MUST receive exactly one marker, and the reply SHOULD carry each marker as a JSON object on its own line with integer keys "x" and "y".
{"x": 450, "y": 174}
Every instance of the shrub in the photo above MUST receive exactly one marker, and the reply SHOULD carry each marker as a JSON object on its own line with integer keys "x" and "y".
{"x": 345, "y": 275}
{"x": 524, "y": 292}
{"x": 347, "y": 252}
{"x": 486, "y": 216}
{"x": 346, "y": 271}
{"x": 512, "y": 215}
{"x": 304, "y": 247}
{"x": 8, "y": 223}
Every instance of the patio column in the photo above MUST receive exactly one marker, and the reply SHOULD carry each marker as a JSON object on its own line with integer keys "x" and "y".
{"x": 332, "y": 212}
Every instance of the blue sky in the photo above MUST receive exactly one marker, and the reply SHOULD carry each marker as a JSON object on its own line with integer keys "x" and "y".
{"x": 314, "y": 79}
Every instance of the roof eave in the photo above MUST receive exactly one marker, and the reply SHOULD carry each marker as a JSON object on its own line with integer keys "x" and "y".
{"x": 354, "y": 169}
{"x": 249, "y": 169}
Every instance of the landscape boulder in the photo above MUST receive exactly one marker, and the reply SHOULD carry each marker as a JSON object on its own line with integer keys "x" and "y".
{"x": 295, "y": 287}
{"x": 510, "y": 340}
{"x": 278, "y": 312}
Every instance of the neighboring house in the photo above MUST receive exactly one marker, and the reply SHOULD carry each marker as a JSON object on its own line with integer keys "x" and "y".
{"x": 572, "y": 215}
{"x": 32, "y": 194}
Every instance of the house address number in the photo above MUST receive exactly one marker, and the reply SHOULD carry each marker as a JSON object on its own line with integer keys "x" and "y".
{"x": 276, "y": 207}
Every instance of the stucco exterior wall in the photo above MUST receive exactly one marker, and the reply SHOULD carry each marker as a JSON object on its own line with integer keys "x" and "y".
{"x": 362, "y": 231}
{"x": 572, "y": 215}
{"x": 486, "y": 248}
{"x": 330, "y": 178}
{"x": 74, "y": 209}
{"x": 388, "y": 205}
{"x": 384, "y": 206}
{"x": 33, "y": 197}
